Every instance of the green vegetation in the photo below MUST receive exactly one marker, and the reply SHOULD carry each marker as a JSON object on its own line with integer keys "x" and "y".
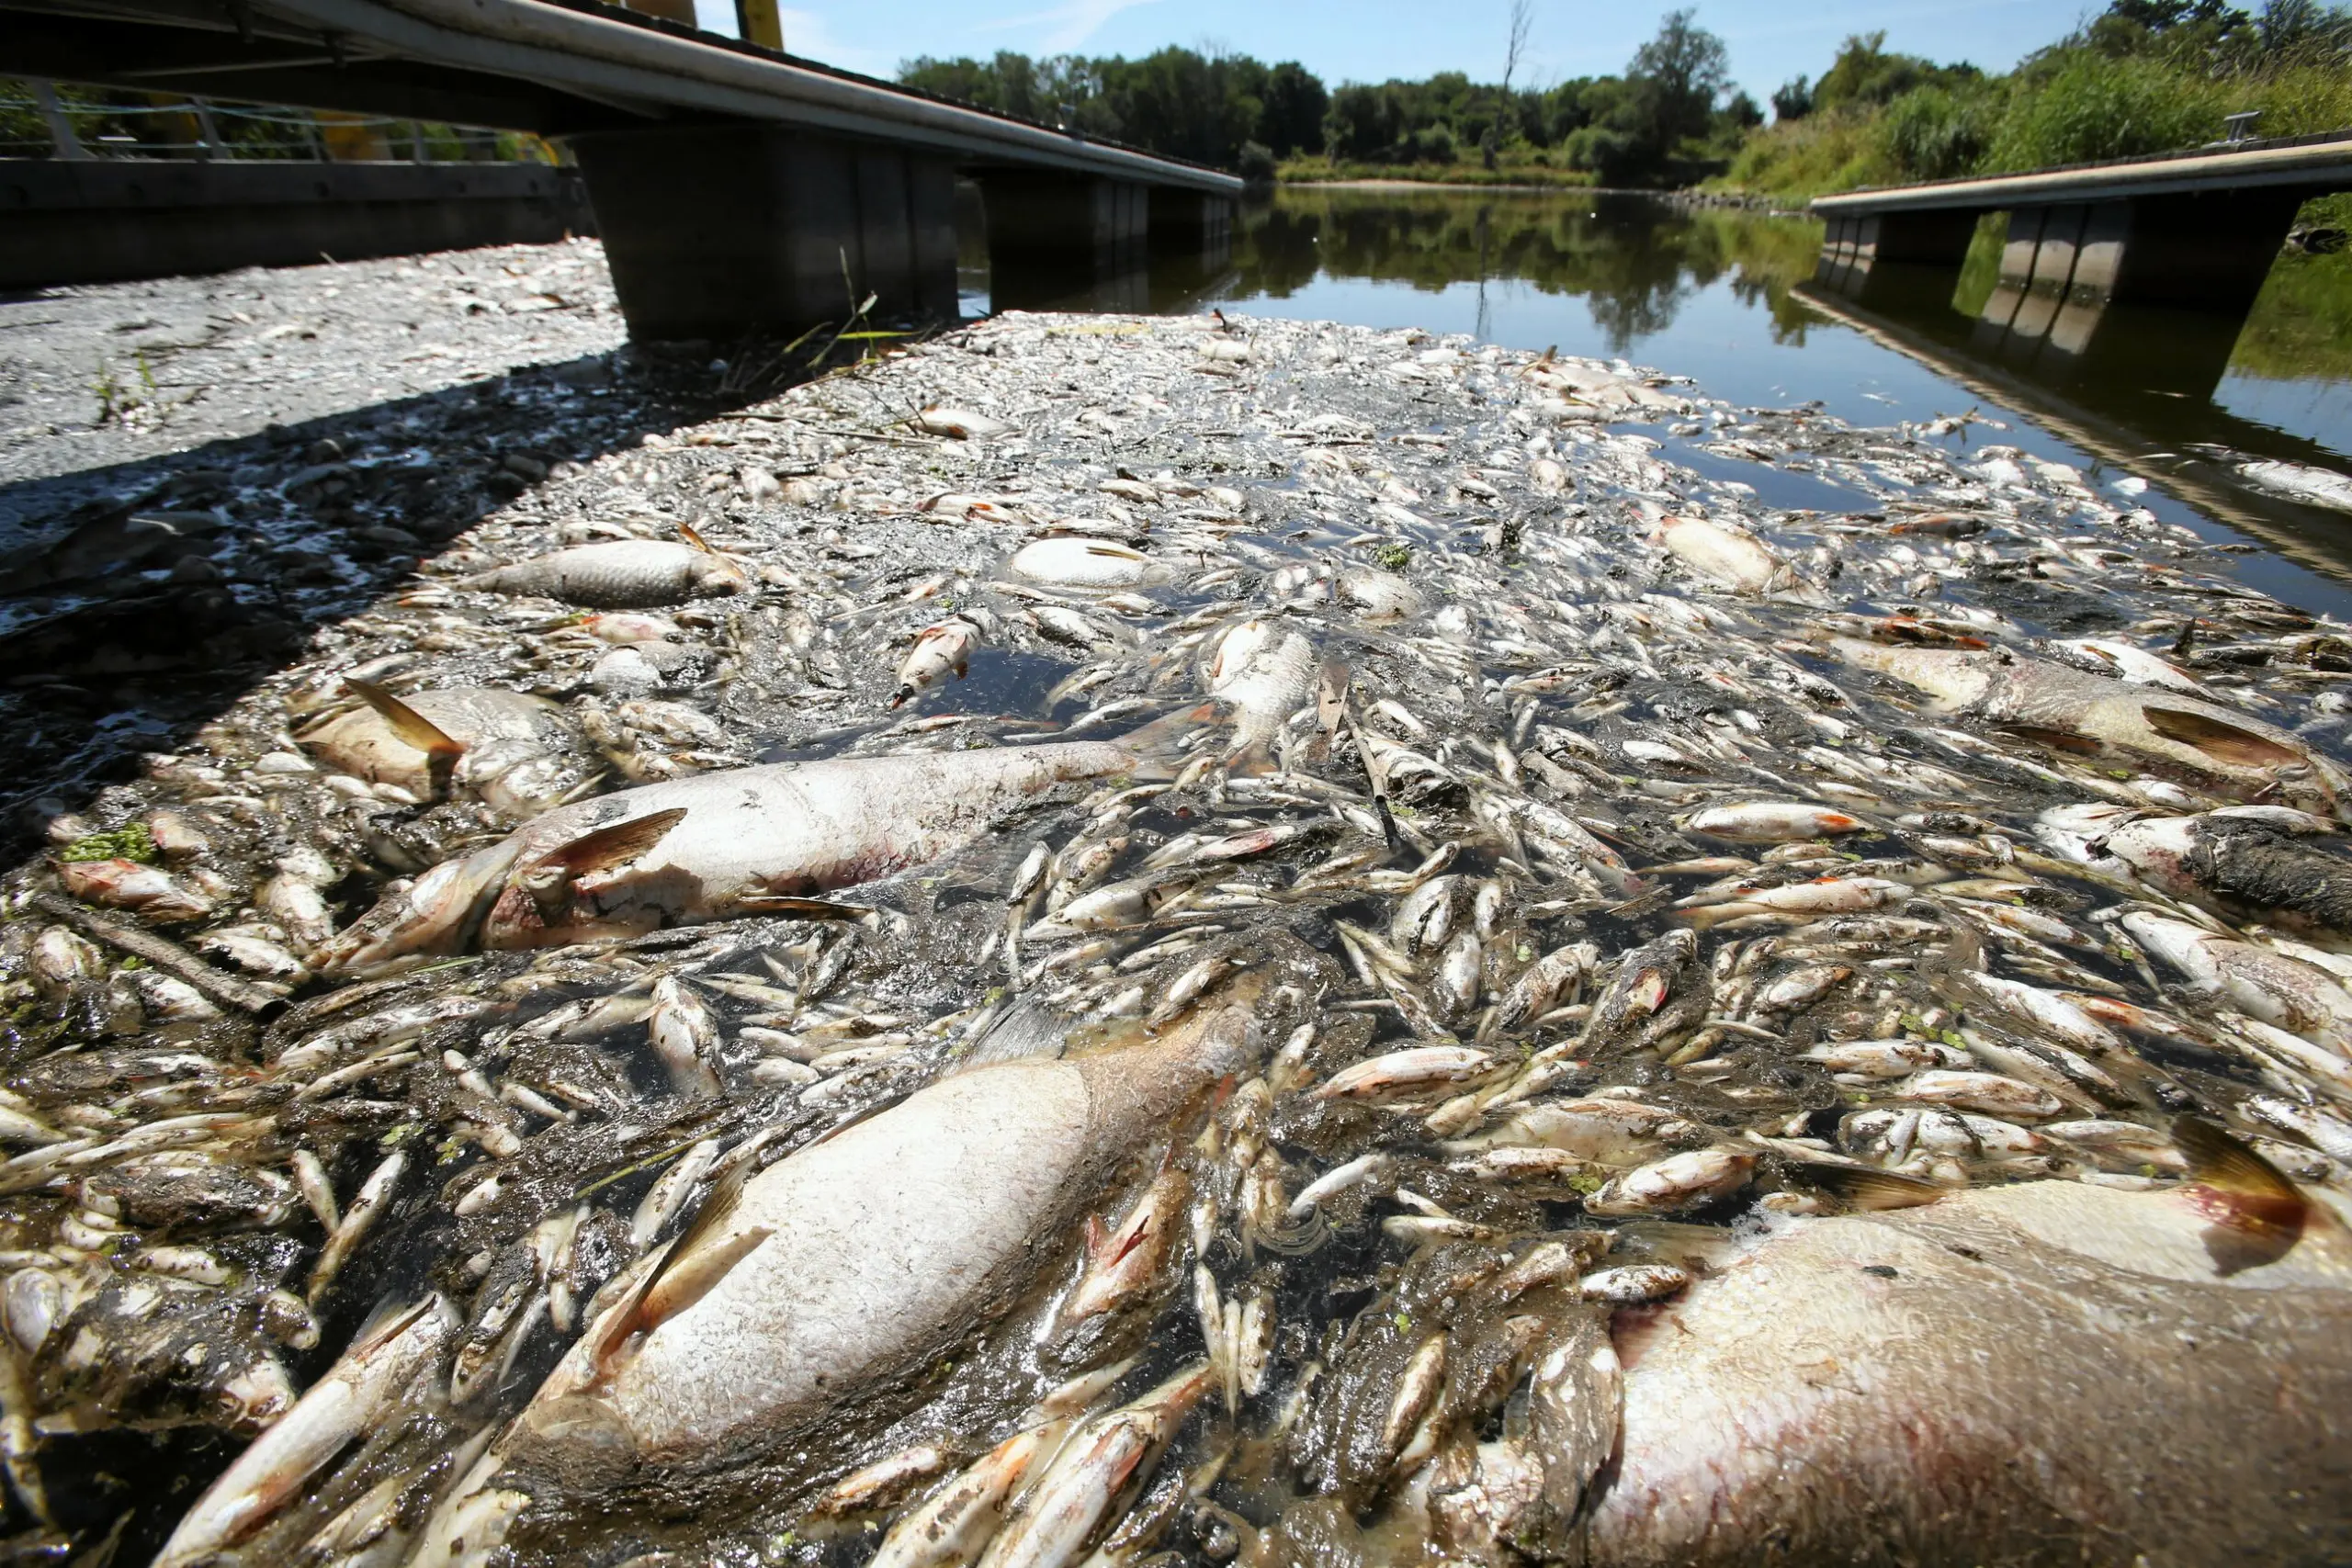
{"x": 2144, "y": 76}
{"x": 1220, "y": 109}
{"x": 1671, "y": 119}
{"x": 131, "y": 841}
{"x": 2300, "y": 325}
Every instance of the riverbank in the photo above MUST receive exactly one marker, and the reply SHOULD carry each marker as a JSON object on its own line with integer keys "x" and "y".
{"x": 1469, "y": 173}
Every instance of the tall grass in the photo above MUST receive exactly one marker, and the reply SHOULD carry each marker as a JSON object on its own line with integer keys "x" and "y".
{"x": 2073, "y": 105}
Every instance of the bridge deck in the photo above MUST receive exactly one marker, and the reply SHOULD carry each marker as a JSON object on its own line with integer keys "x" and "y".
{"x": 2316, "y": 165}
{"x": 527, "y": 64}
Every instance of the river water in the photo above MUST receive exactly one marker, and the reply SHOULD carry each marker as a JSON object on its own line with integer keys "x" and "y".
{"x": 1716, "y": 295}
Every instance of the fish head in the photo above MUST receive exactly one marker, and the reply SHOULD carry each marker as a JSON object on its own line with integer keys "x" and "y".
{"x": 1228, "y": 653}
{"x": 435, "y": 916}
{"x": 721, "y": 574}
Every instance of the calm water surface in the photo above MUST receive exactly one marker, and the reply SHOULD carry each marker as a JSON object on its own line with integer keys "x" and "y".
{"x": 1715, "y": 295}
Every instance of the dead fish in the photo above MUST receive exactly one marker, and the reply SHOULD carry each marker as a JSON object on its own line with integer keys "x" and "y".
{"x": 357, "y": 1393}
{"x": 622, "y": 574}
{"x": 1263, "y": 672}
{"x": 149, "y": 891}
{"x": 1686, "y": 1181}
{"x": 622, "y": 628}
{"x": 2247, "y": 863}
{"x": 2136, "y": 665}
{"x": 1733, "y": 557}
{"x": 1073, "y": 562}
{"x": 2077, "y": 710}
{"x": 1604, "y": 1132}
{"x": 515, "y": 752}
{"x": 942, "y": 648}
{"x": 1380, "y": 596}
{"x": 2301, "y": 481}
{"x": 715, "y": 845}
{"x": 959, "y": 425}
{"x": 2287, "y": 992}
{"x": 854, "y": 1259}
{"x": 1104, "y": 1461}
{"x": 1413, "y": 1070}
{"x": 955, "y": 1525}
{"x": 1773, "y": 822}
{"x": 2046, "y": 1318}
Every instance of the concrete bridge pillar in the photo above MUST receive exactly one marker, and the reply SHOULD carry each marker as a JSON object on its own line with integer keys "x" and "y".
{"x": 1058, "y": 239}
{"x": 2152, "y": 288}
{"x": 1894, "y": 260}
{"x": 1192, "y": 223}
{"x": 721, "y": 231}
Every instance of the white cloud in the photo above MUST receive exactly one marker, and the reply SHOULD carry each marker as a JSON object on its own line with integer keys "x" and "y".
{"x": 1066, "y": 27}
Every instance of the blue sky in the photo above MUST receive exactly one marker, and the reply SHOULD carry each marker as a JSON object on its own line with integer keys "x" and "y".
{"x": 1770, "y": 40}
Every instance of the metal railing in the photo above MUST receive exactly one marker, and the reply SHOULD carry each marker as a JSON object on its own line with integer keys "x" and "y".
{"x": 41, "y": 119}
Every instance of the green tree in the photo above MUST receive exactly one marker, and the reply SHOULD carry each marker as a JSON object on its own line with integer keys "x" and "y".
{"x": 1290, "y": 118}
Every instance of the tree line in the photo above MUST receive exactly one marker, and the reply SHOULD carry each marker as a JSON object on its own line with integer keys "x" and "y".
{"x": 1671, "y": 116}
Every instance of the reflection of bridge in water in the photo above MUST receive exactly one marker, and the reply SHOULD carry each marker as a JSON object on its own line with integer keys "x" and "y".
{"x": 2120, "y": 293}
{"x": 2121, "y": 422}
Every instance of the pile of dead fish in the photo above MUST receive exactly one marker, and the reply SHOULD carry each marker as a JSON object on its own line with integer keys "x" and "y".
{"x": 1182, "y": 940}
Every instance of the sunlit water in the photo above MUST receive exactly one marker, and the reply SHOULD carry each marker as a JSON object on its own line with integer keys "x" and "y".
{"x": 1707, "y": 294}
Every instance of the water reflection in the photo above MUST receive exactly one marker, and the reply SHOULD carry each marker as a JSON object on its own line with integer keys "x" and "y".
{"x": 1636, "y": 262}
{"x": 1724, "y": 296}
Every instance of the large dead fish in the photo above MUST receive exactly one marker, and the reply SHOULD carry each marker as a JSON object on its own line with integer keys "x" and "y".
{"x": 1732, "y": 557}
{"x": 2052, "y": 1373}
{"x": 2070, "y": 708}
{"x": 512, "y": 750}
{"x": 2250, "y": 863}
{"x": 622, "y": 574}
{"x": 719, "y": 845}
{"x": 846, "y": 1264}
{"x": 1262, "y": 671}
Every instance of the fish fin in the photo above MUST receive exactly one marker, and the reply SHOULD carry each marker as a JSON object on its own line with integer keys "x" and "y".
{"x": 1026, "y": 1030}
{"x": 412, "y": 728}
{"x": 1157, "y": 744}
{"x": 610, "y": 848}
{"x": 790, "y": 906}
{"x": 694, "y": 1272}
{"x": 695, "y": 1265}
{"x": 1864, "y": 1191}
{"x": 2219, "y": 738}
{"x": 1330, "y": 699}
{"x": 2256, "y": 1212}
{"x": 687, "y": 532}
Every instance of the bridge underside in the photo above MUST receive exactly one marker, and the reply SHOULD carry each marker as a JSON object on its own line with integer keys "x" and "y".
{"x": 2081, "y": 283}
{"x": 737, "y": 191}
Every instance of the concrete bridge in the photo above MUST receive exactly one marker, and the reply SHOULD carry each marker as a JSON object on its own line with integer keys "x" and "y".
{"x": 2088, "y": 246}
{"x": 737, "y": 190}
